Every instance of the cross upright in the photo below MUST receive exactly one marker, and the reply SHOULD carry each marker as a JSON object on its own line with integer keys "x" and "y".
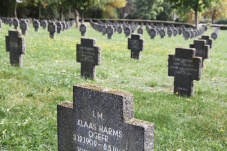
{"x": 110, "y": 32}
{"x": 15, "y": 45}
{"x": 23, "y": 26}
{"x": 135, "y": 44}
{"x": 83, "y": 29}
{"x": 201, "y": 49}
{"x": 89, "y": 56}
{"x": 36, "y": 25}
{"x": 102, "y": 119}
{"x": 185, "y": 68}
{"x": 52, "y": 28}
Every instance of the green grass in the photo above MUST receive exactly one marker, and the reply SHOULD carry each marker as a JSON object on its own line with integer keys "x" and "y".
{"x": 29, "y": 95}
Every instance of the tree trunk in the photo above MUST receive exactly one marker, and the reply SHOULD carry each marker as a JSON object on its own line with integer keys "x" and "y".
{"x": 76, "y": 16}
{"x": 39, "y": 12}
{"x": 213, "y": 16}
{"x": 61, "y": 13}
{"x": 15, "y": 9}
{"x": 196, "y": 18}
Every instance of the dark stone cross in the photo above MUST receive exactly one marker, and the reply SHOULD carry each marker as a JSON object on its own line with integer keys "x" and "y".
{"x": 119, "y": 29}
{"x": 52, "y": 28}
{"x": 83, "y": 29}
{"x": 59, "y": 27}
{"x": 43, "y": 23}
{"x": 15, "y": 45}
{"x": 185, "y": 68}
{"x": 201, "y": 49}
{"x": 162, "y": 33}
{"x": 89, "y": 56}
{"x": 140, "y": 31}
{"x": 169, "y": 32}
{"x": 36, "y": 25}
{"x": 23, "y": 26}
{"x": 127, "y": 31}
{"x": 208, "y": 40}
{"x": 0, "y": 23}
{"x": 101, "y": 119}
{"x": 135, "y": 44}
{"x": 15, "y": 23}
{"x": 152, "y": 32}
{"x": 109, "y": 31}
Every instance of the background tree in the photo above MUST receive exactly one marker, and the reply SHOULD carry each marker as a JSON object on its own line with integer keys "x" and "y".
{"x": 167, "y": 13}
{"x": 148, "y": 9}
{"x": 195, "y": 5}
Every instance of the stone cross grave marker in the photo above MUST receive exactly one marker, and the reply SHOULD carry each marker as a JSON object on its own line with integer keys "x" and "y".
{"x": 36, "y": 25}
{"x": 15, "y": 23}
{"x": 59, "y": 27}
{"x": 185, "y": 68}
{"x": 109, "y": 31}
{"x": 119, "y": 29}
{"x": 10, "y": 21}
{"x": 101, "y": 119}
{"x": 140, "y": 30}
{"x": 52, "y": 28}
{"x": 104, "y": 30}
{"x": 127, "y": 31}
{"x": 89, "y": 56}
{"x": 15, "y": 45}
{"x": 83, "y": 29}
{"x": 135, "y": 44}
{"x": 169, "y": 32}
{"x": 23, "y": 26}
{"x": 201, "y": 49}
{"x": 43, "y": 23}
{"x": 162, "y": 33}
{"x": 208, "y": 40}
{"x": 186, "y": 34}
{"x": 152, "y": 32}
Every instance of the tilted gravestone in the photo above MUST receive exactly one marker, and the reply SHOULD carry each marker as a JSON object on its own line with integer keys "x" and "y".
{"x": 36, "y": 25}
{"x": 208, "y": 40}
{"x": 15, "y": 45}
{"x": 185, "y": 68}
{"x": 15, "y": 23}
{"x": 135, "y": 44}
{"x": 89, "y": 56}
{"x": 52, "y": 28}
{"x": 201, "y": 49}
{"x": 23, "y": 26}
{"x": 83, "y": 29}
{"x": 101, "y": 119}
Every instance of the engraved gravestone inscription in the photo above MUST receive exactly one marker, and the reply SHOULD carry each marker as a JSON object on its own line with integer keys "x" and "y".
{"x": 101, "y": 119}
{"x": 15, "y": 45}
{"x": 135, "y": 44}
{"x": 89, "y": 56}
{"x": 185, "y": 68}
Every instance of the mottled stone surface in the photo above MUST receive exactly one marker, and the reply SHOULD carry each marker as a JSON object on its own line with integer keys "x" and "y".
{"x": 83, "y": 29}
{"x": 185, "y": 68}
{"x": 135, "y": 44}
{"x": 102, "y": 119}
{"x": 89, "y": 56}
{"x": 15, "y": 45}
{"x": 208, "y": 40}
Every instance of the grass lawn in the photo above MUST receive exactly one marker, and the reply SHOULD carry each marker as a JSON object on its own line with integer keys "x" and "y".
{"x": 29, "y": 95}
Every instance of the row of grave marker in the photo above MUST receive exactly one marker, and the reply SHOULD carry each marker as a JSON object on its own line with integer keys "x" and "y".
{"x": 53, "y": 26}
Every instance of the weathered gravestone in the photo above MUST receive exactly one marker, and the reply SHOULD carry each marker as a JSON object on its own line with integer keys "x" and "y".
{"x": 207, "y": 39}
{"x": 135, "y": 44}
{"x": 186, "y": 34}
{"x": 169, "y": 32}
{"x": 185, "y": 68}
{"x": 101, "y": 119}
{"x": 89, "y": 56}
{"x": 15, "y": 45}
{"x": 52, "y": 28}
{"x": 10, "y": 21}
{"x": 43, "y": 23}
{"x": 201, "y": 49}
{"x": 119, "y": 29}
{"x": 83, "y": 29}
{"x": 36, "y": 25}
{"x": 23, "y": 26}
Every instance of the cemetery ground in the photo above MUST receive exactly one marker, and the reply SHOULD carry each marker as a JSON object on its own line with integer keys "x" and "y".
{"x": 29, "y": 95}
